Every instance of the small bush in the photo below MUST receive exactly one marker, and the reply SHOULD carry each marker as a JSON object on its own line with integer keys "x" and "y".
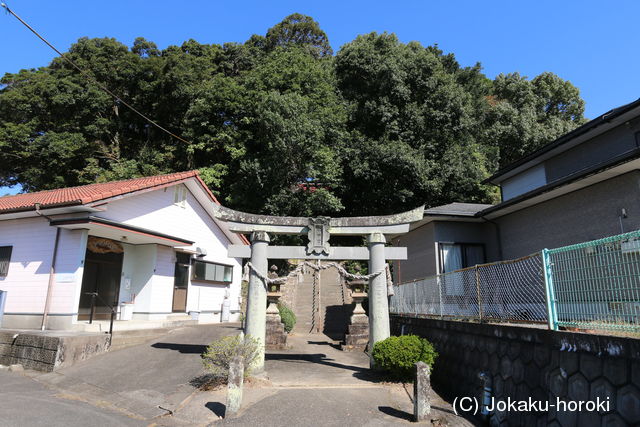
{"x": 288, "y": 317}
{"x": 219, "y": 353}
{"x": 398, "y": 355}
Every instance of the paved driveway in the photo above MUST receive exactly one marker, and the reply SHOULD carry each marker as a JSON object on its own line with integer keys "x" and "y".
{"x": 147, "y": 380}
{"x": 25, "y": 403}
{"x": 312, "y": 383}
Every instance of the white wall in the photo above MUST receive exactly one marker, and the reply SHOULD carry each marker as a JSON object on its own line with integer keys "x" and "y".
{"x": 26, "y": 283}
{"x": 65, "y": 295}
{"x": 138, "y": 266}
{"x": 27, "y": 280}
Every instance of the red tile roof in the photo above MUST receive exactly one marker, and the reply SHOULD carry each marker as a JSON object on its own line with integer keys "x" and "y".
{"x": 93, "y": 192}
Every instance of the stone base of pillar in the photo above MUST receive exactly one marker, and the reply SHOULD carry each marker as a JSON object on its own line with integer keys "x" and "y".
{"x": 358, "y": 336}
{"x": 276, "y": 337}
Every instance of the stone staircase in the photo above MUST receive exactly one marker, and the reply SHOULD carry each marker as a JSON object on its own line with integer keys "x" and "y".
{"x": 304, "y": 306}
{"x": 333, "y": 316}
{"x": 335, "y": 308}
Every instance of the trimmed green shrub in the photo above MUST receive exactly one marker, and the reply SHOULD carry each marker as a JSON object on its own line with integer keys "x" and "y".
{"x": 398, "y": 355}
{"x": 219, "y": 353}
{"x": 288, "y": 317}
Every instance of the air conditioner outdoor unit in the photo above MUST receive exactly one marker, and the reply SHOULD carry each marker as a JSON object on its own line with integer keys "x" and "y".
{"x": 200, "y": 252}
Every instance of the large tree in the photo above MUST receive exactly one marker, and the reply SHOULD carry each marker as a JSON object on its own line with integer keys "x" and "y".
{"x": 525, "y": 114}
{"x": 278, "y": 124}
{"x": 414, "y": 123}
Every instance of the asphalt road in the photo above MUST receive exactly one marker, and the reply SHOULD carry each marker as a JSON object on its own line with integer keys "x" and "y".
{"x": 26, "y": 403}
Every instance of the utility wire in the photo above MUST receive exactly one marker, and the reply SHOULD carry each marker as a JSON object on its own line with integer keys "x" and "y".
{"x": 93, "y": 79}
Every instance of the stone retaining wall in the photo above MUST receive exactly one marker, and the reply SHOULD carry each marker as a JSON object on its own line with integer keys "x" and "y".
{"x": 526, "y": 362}
{"x": 46, "y": 351}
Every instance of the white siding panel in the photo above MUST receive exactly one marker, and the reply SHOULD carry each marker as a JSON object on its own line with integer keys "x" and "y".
{"x": 69, "y": 267}
{"x": 163, "y": 281}
{"x": 26, "y": 282}
{"x": 523, "y": 182}
{"x": 139, "y": 264}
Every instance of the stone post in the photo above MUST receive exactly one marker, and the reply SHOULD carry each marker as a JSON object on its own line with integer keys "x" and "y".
{"x": 421, "y": 392}
{"x": 378, "y": 302}
{"x": 255, "y": 323}
{"x": 234, "y": 390}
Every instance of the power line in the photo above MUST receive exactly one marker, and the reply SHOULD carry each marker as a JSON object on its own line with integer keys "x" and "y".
{"x": 93, "y": 79}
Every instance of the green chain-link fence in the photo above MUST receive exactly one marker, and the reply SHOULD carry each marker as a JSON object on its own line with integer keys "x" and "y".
{"x": 595, "y": 285}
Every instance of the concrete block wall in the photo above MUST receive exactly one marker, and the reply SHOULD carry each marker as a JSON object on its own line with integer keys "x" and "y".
{"x": 544, "y": 365}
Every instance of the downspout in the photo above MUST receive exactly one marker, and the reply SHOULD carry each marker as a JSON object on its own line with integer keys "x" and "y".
{"x": 52, "y": 271}
{"x": 498, "y": 236}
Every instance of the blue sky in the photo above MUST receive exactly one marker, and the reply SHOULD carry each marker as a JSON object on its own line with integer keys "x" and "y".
{"x": 593, "y": 44}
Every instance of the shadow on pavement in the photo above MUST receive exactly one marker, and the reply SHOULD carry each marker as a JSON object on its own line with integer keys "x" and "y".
{"x": 360, "y": 372}
{"x": 182, "y": 348}
{"x": 336, "y": 346}
{"x": 217, "y": 408}
{"x": 396, "y": 413}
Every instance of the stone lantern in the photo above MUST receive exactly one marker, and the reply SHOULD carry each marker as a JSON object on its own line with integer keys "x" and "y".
{"x": 273, "y": 291}
{"x": 276, "y": 337}
{"x": 358, "y": 336}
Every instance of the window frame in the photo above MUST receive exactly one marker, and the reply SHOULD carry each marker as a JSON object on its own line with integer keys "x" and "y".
{"x": 6, "y": 273}
{"x": 216, "y": 282}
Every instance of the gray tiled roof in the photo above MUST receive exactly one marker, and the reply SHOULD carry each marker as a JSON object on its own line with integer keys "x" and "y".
{"x": 457, "y": 209}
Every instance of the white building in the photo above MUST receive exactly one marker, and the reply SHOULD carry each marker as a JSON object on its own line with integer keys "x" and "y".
{"x": 147, "y": 245}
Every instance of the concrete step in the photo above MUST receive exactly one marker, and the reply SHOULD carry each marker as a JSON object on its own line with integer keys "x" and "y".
{"x": 127, "y": 325}
{"x": 124, "y": 339}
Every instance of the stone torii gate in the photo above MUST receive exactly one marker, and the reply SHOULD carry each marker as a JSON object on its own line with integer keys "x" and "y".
{"x": 318, "y": 231}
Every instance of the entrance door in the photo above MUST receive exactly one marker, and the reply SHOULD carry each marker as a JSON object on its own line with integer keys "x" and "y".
{"x": 102, "y": 273}
{"x": 181, "y": 282}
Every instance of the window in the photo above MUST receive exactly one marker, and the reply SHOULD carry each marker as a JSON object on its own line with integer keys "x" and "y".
{"x": 5, "y": 259}
{"x": 181, "y": 276}
{"x": 455, "y": 256}
{"x": 180, "y": 195}
{"x": 212, "y": 272}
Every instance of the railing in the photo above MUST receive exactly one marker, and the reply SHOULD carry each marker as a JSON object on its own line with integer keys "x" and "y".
{"x": 95, "y": 295}
{"x": 592, "y": 285}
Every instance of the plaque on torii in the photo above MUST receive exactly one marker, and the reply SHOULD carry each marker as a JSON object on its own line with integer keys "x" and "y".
{"x": 318, "y": 231}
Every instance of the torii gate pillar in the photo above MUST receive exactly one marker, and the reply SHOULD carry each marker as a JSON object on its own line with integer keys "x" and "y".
{"x": 378, "y": 300}
{"x": 257, "y": 296}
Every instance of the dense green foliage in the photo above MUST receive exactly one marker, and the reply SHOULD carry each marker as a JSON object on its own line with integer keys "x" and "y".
{"x": 219, "y": 354}
{"x": 288, "y": 317}
{"x": 398, "y": 355}
{"x": 279, "y": 124}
